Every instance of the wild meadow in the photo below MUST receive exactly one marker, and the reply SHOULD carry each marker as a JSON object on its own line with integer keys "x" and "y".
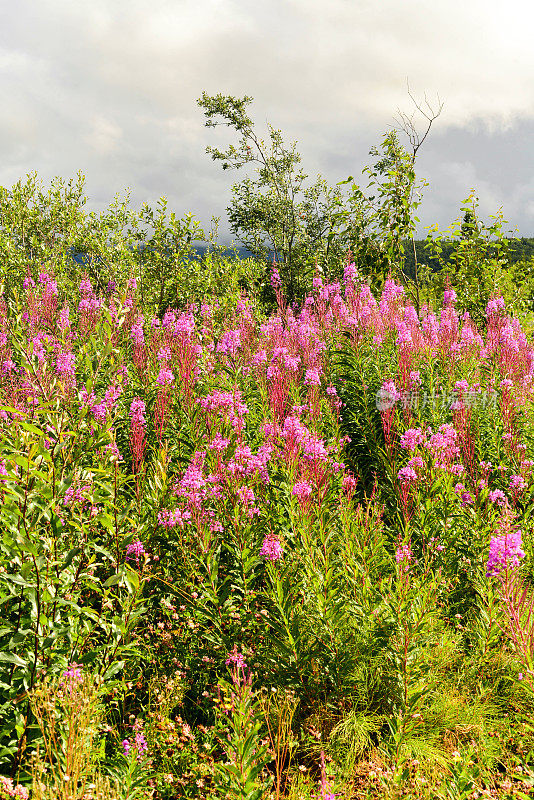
{"x": 253, "y": 555}
{"x": 265, "y": 526}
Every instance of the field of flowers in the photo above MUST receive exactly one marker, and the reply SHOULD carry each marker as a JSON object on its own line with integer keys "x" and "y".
{"x": 251, "y": 555}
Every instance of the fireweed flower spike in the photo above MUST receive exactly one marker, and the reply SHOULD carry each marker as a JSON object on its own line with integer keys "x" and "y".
{"x": 271, "y": 549}
{"x": 504, "y": 553}
{"x": 72, "y": 677}
{"x": 235, "y": 658}
{"x": 139, "y": 744}
{"x": 135, "y": 550}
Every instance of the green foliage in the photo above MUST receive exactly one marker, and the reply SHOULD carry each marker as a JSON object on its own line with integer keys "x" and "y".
{"x": 477, "y": 266}
{"x": 275, "y": 213}
{"x": 376, "y": 225}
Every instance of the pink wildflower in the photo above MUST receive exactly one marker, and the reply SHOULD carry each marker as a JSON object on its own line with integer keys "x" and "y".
{"x": 505, "y": 552}
{"x": 165, "y": 377}
{"x": 498, "y": 497}
{"x": 302, "y": 490}
{"x": 235, "y": 658}
{"x": 411, "y": 438}
{"x": 271, "y": 549}
{"x": 403, "y": 554}
{"x": 135, "y": 550}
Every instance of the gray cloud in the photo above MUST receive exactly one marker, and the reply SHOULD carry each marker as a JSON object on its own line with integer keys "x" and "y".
{"x": 110, "y": 88}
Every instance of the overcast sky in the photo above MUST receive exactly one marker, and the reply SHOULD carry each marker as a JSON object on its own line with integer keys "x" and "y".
{"x": 109, "y": 87}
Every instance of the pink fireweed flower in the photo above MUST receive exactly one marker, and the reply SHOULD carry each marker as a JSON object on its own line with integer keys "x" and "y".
{"x": 219, "y": 444}
{"x": 8, "y": 367}
{"x": 137, "y": 411}
{"x": 517, "y": 484}
{"x": 312, "y": 377}
{"x": 113, "y": 452}
{"x": 72, "y": 676}
{"x": 135, "y": 550}
{"x": 302, "y": 490}
{"x": 65, "y": 364}
{"x": 403, "y": 554}
{"x": 170, "y": 519}
{"x": 230, "y": 342}
{"x": 349, "y": 484}
{"x": 461, "y": 386}
{"x": 271, "y": 549}
{"x": 276, "y": 281}
{"x": 165, "y": 377}
{"x": 407, "y": 475}
{"x": 236, "y": 659}
{"x": 411, "y": 438}
{"x": 457, "y": 469}
{"x": 349, "y": 273}
{"x": 85, "y": 287}
{"x": 9, "y": 790}
{"x": 325, "y": 793}
{"x": 463, "y": 494}
{"x": 64, "y": 318}
{"x": 137, "y": 431}
{"x": 77, "y": 494}
{"x": 387, "y": 396}
{"x": 498, "y": 497}
{"x": 504, "y": 553}
{"x": 247, "y": 497}
{"x": 139, "y": 745}
{"x": 137, "y": 332}
{"x": 495, "y": 306}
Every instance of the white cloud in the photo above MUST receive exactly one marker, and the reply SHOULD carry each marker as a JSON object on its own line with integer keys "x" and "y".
{"x": 110, "y": 86}
{"x": 104, "y": 136}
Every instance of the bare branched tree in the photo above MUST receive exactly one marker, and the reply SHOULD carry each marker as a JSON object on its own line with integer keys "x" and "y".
{"x": 406, "y": 121}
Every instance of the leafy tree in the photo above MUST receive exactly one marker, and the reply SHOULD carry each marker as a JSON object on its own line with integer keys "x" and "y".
{"x": 376, "y": 224}
{"x": 317, "y": 225}
{"x": 470, "y": 226}
{"x": 166, "y": 246}
{"x": 39, "y": 225}
{"x": 275, "y": 213}
{"x": 474, "y": 260}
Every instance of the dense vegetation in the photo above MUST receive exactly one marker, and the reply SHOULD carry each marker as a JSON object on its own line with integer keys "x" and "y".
{"x": 266, "y": 529}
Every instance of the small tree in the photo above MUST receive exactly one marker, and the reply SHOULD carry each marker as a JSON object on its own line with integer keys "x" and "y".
{"x": 378, "y": 224}
{"x": 275, "y": 214}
